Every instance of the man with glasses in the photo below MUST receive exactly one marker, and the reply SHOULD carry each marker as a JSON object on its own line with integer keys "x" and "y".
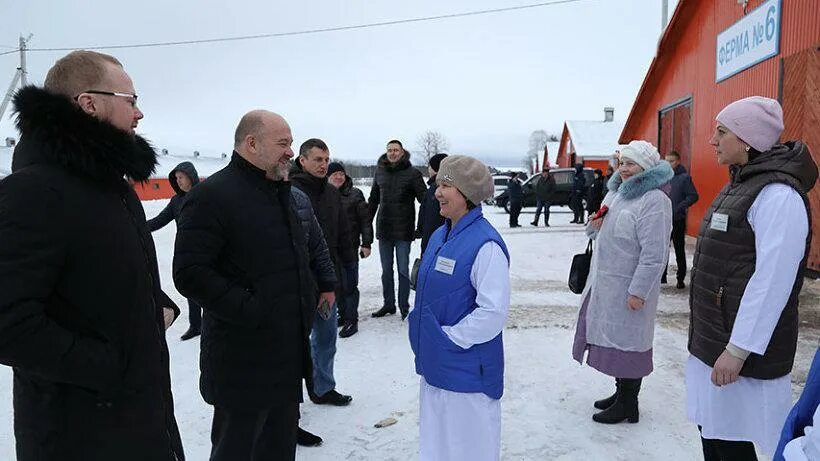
{"x": 82, "y": 314}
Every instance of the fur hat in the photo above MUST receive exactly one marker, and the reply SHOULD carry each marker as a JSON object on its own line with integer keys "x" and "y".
{"x": 468, "y": 175}
{"x": 756, "y": 120}
{"x": 641, "y": 152}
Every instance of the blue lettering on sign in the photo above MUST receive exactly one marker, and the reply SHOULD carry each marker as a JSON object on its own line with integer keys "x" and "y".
{"x": 734, "y": 48}
{"x": 771, "y": 25}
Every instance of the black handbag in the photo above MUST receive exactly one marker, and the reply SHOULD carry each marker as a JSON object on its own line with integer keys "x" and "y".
{"x": 579, "y": 271}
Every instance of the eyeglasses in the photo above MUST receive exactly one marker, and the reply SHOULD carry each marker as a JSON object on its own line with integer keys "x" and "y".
{"x": 131, "y": 97}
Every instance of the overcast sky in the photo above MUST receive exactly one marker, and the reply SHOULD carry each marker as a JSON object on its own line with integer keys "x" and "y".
{"x": 485, "y": 82}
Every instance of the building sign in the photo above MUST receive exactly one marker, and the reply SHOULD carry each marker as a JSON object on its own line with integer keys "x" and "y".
{"x": 752, "y": 40}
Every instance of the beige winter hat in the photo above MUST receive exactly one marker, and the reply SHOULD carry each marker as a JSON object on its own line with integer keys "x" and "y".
{"x": 468, "y": 175}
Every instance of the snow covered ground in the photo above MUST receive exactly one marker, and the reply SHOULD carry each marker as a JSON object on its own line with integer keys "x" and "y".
{"x": 547, "y": 405}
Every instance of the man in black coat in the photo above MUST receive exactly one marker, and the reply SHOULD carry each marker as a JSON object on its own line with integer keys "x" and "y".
{"x": 515, "y": 194}
{"x": 182, "y": 179}
{"x": 395, "y": 186}
{"x": 543, "y": 196}
{"x": 82, "y": 314}
{"x": 683, "y": 196}
{"x": 309, "y": 175}
{"x": 577, "y": 194}
{"x": 243, "y": 255}
{"x": 361, "y": 237}
{"x": 430, "y": 217}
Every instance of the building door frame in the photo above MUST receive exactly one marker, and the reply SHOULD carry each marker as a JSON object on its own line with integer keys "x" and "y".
{"x": 687, "y": 100}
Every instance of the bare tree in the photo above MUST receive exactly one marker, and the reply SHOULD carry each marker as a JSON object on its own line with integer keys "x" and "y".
{"x": 432, "y": 143}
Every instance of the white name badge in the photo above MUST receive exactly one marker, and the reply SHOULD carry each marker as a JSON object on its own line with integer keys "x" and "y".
{"x": 720, "y": 222}
{"x": 445, "y": 265}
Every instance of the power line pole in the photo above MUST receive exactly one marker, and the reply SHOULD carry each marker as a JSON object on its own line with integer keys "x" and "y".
{"x": 20, "y": 75}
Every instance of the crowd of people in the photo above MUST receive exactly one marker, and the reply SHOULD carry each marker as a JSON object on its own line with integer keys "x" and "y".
{"x": 267, "y": 253}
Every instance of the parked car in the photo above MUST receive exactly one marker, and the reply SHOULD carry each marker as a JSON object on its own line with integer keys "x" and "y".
{"x": 563, "y": 187}
{"x": 500, "y": 182}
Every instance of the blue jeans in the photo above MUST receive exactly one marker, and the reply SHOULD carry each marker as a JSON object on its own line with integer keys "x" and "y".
{"x": 349, "y": 304}
{"x": 323, "y": 352}
{"x": 539, "y": 205}
{"x": 402, "y": 249}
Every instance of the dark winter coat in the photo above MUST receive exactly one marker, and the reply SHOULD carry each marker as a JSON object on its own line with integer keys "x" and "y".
{"x": 514, "y": 191}
{"x": 683, "y": 193}
{"x": 327, "y": 206}
{"x": 596, "y": 194}
{"x": 321, "y": 265}
{"x": 171, "y": 211}
{"x": 725, "y": 261}
{"x": 579, "y": 187}
{"x": 81, "y": 308}
{"x": 545, "y": 188}
{"x": 242, "y": 254}
{"x": 430, "y": 217}
{"x": 395, "y": 186}
{"x": 358, "y": 217}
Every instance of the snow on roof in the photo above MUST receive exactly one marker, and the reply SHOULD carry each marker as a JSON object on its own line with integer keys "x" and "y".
{"x": 205, "y": 166}
{"x": 595, "y": 139}
{"x": 552, "y": 151}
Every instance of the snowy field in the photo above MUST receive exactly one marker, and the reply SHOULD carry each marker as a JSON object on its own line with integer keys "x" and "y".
{"x": 547, "y": 404}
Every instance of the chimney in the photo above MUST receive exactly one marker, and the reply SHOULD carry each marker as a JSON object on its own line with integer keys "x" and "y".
{"x": 609, "y": 114}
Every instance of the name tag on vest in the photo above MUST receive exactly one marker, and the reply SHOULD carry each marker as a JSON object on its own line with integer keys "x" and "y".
{"x": 445, "y": 265}
{"x": 719, "y": 222}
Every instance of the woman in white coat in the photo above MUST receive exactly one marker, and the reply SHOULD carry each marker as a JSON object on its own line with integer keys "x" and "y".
{"x": 616, "y": 322}
{"x": 462, "y": 298}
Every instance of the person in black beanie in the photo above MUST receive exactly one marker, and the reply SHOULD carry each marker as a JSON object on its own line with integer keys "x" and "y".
{"x": 430, "y": 217}
{"x": 355, "y": 209}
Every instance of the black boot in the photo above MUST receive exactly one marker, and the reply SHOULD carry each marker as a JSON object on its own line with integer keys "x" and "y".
{"x": 191, "y": 333}
{"x": 306, "y": 439}
{"x": 349, "y": 329}
{"x": 625, "y": 406}
{"x": 603, "y": 404}
{"x": 384, "y": 311}
{"x": 404, "y": 312}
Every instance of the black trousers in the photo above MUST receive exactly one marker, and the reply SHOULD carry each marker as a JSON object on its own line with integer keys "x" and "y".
{"x": 194, "y": 316}
{"x": 577, "y": 205}
{"x": 679, "y": 243}
{"x": 727, "y": 450}
{"x": 267, "y": 435}
{"x": 515, "y": 210}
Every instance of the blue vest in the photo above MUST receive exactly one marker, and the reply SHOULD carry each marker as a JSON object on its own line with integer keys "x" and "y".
{"x": 444, "y": 299}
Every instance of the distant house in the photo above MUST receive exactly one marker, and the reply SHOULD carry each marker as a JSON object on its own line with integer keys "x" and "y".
{"x": 591, "y": 142}
{"x": 550, "y": 154}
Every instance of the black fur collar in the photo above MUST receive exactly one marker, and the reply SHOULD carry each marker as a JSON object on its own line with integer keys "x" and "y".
{"x": 55, "y": 130}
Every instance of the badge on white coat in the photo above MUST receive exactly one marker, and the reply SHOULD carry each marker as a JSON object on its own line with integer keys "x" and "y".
{"x": 445, "y": 265}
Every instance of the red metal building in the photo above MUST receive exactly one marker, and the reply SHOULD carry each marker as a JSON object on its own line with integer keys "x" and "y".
{"x": 714, "y": 52}
{"x": 592, "y": 142}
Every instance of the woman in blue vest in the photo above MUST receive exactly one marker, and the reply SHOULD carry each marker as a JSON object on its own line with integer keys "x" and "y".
{"x": 462, "y": 298}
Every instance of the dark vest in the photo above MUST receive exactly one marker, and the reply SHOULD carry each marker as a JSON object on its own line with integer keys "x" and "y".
{"x": 724, "y": 262}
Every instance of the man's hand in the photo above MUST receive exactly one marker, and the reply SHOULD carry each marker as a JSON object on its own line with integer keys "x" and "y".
{"x": 328, "y": 297}
{"x": 635, "y": 303}
{"x": 364, "y": 252}
{"x": 168, "y": 316}
{"x": 726, "y": 370}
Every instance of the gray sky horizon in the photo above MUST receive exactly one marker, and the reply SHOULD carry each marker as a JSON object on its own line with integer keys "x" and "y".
{"x": 485, "y": 82}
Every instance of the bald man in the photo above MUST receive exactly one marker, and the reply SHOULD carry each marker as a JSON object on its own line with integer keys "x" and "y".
{"x": 244, "y": 255}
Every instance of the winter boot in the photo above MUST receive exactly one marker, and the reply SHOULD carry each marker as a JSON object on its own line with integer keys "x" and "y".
{"x": 603, "y": 404}
{"x": 385, "y": 310}
{"x": 306, "y": 439}
{"x": 404, "y": 312}
{"x": 625, "y": 406}
{"x": 349, "y": 329}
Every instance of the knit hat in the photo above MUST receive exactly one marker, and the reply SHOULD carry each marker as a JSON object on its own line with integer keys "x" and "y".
{"x": 756, "y": 120}
{"x": 435, "y": 161}
{"x": 641, "y": 152}
{"x": 468, "y": 175}
{"x": 334, "y": 167}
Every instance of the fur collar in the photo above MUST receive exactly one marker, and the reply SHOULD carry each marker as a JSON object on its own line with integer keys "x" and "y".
{"x": 653, "y": 178}
{"x": 54, "y": 130}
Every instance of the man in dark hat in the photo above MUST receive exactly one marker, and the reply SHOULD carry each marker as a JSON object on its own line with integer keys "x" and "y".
{"x": 429, "y": 217}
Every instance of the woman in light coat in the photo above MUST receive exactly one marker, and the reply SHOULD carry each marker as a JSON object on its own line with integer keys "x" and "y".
{"x": 616, "y": 322}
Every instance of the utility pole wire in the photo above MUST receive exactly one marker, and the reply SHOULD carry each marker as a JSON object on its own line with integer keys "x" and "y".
{"x": 313, "y": 31}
